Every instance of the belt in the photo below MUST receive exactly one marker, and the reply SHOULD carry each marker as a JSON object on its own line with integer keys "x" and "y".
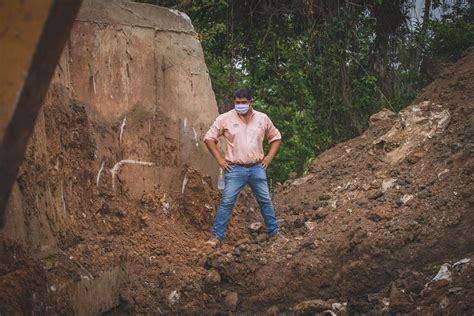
{"x": 246, "y": 165}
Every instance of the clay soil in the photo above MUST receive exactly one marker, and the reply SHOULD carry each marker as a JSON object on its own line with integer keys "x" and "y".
{"x": 368, "y": 228}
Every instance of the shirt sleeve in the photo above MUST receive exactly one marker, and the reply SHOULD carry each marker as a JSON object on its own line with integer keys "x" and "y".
{"x": 271, "y": 132}
{"x": 216, "y": 130}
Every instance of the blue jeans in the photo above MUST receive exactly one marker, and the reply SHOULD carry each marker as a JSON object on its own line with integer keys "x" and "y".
{"x": 235, "y": 180}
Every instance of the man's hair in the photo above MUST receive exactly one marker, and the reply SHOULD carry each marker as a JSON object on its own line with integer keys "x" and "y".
{"x": 243, "y": 93}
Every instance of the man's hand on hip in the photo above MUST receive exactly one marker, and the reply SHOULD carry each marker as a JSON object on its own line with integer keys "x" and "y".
{"x": 224, "y": 164}
{"x": 266, "y": 162}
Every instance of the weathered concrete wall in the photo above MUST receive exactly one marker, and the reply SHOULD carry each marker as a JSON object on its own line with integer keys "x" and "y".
{"x": 125, "y": 113}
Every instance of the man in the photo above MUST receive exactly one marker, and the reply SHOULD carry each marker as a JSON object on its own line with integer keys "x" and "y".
{"x": 243, "y": 129}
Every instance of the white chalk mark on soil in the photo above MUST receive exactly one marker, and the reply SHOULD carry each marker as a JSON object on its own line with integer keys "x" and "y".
{"x": 117, "y": 166}
{"x": 63, "y": 201}
{"x": 124, "y": 122}
{"x": 99, "y": 173}
{"x": 185, "y": 181}
{"x": 195, "y": 137}
{"x": 93, "y": 84}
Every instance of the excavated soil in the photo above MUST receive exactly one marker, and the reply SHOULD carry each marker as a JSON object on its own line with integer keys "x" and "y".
{"x": 368, "y": 228}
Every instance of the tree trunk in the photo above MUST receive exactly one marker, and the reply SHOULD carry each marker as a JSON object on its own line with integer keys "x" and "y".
{"x": 424, "y": 29}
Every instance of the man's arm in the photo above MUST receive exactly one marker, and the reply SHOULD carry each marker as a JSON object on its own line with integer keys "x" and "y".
{"x": 212, "y": 147}
{"x": 267, "y": 160}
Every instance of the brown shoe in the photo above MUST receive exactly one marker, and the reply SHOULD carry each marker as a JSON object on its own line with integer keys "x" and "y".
{"x": 213, "y": 242}
{"x": 279, "y": 238}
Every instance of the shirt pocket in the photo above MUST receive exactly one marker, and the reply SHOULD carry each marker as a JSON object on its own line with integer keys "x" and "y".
{"x": 231, "y": 130}
{"x": 258, "y": 133}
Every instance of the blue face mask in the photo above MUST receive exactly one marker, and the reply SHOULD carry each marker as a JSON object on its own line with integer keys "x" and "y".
{"x": 242, "y": 108}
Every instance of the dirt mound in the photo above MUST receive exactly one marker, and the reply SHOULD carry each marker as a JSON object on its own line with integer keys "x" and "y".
{"x": 375, "y": 217}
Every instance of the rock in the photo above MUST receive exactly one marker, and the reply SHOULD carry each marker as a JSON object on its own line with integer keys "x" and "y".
{"x": 243, "y": 247}
{"x": 381, "y": 213}
{"x": 405, "y": 198}
{"x": 292, "y": 175}
{"x": 387, "y": 184}
{"x": 310, "y": 225}
{"x": 443, "y": 274}
{"x": 174, "y": 297}
{"x": 442, "y": 173}
{"x": 299, "y": 222}
{"x": 444, "y": 303}
{"x": 312, "y": 306}
{"x": 324, "y": 197}
{"x": 399, "y": 301}
{"x": 213, "y": 277}
{"x": 338, "y": 307}
{"x": 377, "y": 194}
{"x": 384, "y": 115}
{"x": 241, "y": 242}
{"x": 272, "y": 311}
{"x": 301, "y": 181}
{"x": 320, "y": 204}
{"x": 256, "y": 227}
{"x": 461, "y": 264}
{"x": 261, "y": 238}
{"x": 231, "y": 301}
{"x": 322, "y": 213}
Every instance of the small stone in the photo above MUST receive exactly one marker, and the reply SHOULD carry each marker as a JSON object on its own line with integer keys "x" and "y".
{"x": 292, "y": 175}
{"x": 256, "y": 227}
{"x": 241, "y": 242}
{"x": 174, "y": 297}
{"x": 231, "y": 301}
{"x": 312, "y": 306}
{"x": 443, "y": 274}
{"x": 444, "y": 303}
{"x": 261, "y": 238}
{"x": 298, "y": 222}
{"x": 324, "y": 197}
{"x": 381, "y": 213}
{"x": 399, "y": 301}
{"x": 338, "y": 307}
{"x": 213, "y": 277}
{"x": 455, "y": 289}
{"x": 272, "y": 311}
{"x": 322, "y": 213}
{"x": 387, "y": 184}
{"x": 407, "y": 197}
{"x": 310, "y": 225}
{"x": 377, "y": 194}
{"x": 243, "y": 247}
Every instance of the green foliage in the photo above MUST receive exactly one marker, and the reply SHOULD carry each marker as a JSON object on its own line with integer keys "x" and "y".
{"x": 319, "y": 69}
{"x": 453, "y": 34}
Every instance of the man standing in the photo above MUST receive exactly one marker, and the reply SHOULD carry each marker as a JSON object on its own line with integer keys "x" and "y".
{"x": 243, "y": 129}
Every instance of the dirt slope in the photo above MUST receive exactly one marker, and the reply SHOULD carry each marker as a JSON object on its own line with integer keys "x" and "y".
{"x": 392, "y": 204}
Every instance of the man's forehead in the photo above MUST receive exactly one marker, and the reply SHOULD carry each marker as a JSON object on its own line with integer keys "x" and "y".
{"x": 241, "y": 99}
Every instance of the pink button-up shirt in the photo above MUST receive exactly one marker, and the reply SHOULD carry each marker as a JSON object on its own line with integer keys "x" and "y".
{"x": 244, "y": 140}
